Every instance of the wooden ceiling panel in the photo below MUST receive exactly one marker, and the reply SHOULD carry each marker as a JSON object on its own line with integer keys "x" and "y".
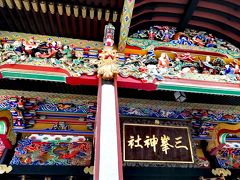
{"x": 219, "y": 7}
{"x": 236, "y": 2}
{"x": 217, "y": 17}
{"x": 139, "y": 3}
{"x": 160, "y": 10}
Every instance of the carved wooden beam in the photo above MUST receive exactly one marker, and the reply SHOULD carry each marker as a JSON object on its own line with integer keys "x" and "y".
{"x": 9, "y": 22}
{"x": 53, "y": 27}
{"x": 23, "y": 21}
{"x": 102, "y": 27}
{"x": 16, "y": 22}
{"x": 74, "y": 29}
{"x": 88, "y": 27}
{"x": 45, "y": 22}
{"x": 112, "y": 3}
{"x": 66, "y": 25}
{"x": 80, "y": 21}
{"x": 119, "y": 4}
{"x": 30, "y": 21}
{"x": 95, "y": 28}
{"x": 37, "y": 22}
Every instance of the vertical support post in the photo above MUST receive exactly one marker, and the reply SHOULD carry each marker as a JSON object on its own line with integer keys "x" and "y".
{"x": 108, "y": 156}
{"x": 125, "y": 23}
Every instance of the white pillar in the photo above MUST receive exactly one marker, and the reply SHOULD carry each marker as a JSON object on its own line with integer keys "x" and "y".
{"x": 110, "y": 152}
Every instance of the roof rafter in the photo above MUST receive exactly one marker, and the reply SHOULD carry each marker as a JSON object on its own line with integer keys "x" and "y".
{"x": 191, "y": 6}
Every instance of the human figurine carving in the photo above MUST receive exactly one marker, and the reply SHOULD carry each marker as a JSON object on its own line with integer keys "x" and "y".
{"x": 163, "y": 61}
{"x": 108, "y": 40}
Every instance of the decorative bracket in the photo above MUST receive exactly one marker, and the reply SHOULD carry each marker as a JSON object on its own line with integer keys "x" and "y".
{"x": 88, "y": 170}
{"x": 221, "y": 172}
{"x": 5, "y": 169}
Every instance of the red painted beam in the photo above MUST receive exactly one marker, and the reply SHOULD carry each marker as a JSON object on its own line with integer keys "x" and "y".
{"x": 98, "y": 131}
{"x": 112, "y": 3}
{"x": 88, "y": 27}
{"x": 74, "y": 27}
{"x": 95, "y": 28}
{"x": 82, "y": 80}
{"x": 31, "y": 22}
{"x": 37, "y": 22}
{"x": 88, "y": 2}
{"x": 35, "y": 68}
{"x": 45, "y": 22}
{"x": 80, "y": 21}
{"x": 135, "y": 84}
{"x": 104, "y": 3}
{"x": 120, "y": 3}
{"x": 60, "y": 30}
{"x": 53, "y": 28}
{"x": 96, "y": 2}
{"x": 118, "y": 126}
{"x": 103, "y": 22}
{"x": 66, "y": 25}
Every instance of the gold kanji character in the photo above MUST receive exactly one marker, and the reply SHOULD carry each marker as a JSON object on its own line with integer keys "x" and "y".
{"x": 132, "y": 142}
{"x": 179, "y": 141}
{"x": 151, "y": 142}
{"x": 165, "y": 145}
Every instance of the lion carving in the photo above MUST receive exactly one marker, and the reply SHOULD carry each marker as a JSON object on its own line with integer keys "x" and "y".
{"x": 107, "y": 66}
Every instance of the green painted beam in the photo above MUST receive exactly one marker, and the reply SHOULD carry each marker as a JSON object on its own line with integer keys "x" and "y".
{"x": 34, "y": 76}
{"x": 197, "y": 89}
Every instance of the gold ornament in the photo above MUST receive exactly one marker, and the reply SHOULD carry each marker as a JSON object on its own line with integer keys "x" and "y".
{"x": 5, "y": 169}
{"x": 221, "y": 172}
{"x": 108, "y": 66}
{"x": 89, "y": 170}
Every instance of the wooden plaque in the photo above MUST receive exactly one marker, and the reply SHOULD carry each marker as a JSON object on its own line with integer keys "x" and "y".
{"x": 156, "y": 143}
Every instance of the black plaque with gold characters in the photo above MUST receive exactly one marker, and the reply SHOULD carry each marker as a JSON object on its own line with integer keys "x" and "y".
{"x": 156, "y": 144}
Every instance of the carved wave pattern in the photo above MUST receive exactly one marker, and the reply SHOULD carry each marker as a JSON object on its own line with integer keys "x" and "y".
{"x": 50, "y": 107}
